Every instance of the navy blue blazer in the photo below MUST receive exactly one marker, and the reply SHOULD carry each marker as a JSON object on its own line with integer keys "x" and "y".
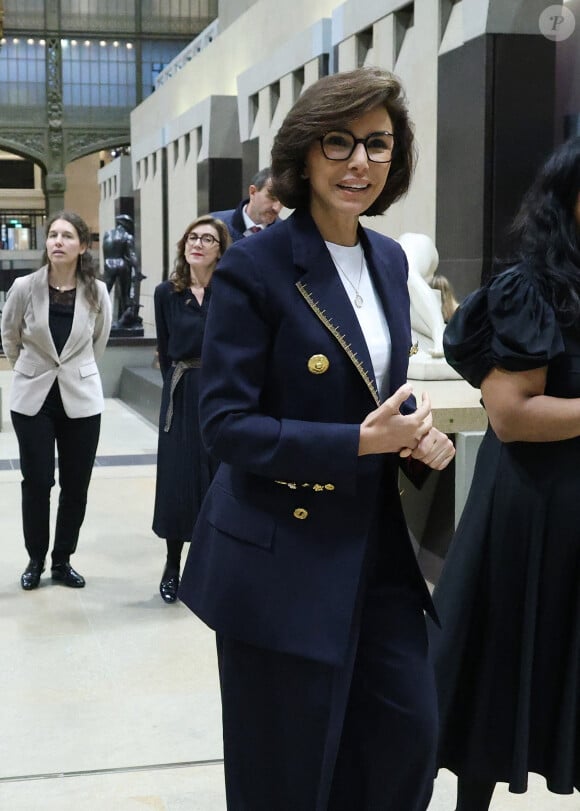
{"x": 234, "y": 219}
{"x": 279, "y": 545}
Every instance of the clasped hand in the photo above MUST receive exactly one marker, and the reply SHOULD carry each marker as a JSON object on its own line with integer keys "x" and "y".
{"x": 386, "y": 430}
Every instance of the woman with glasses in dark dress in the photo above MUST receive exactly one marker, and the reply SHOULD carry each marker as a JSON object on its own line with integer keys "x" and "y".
{"x": 300, "y": 558}
{"x": 184, "y": 469}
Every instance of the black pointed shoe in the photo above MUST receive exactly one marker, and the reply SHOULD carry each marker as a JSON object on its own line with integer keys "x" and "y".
{"x": 169, "y": 585}
{"x": 65, "y": 574}
{"x": 30, "y": 577}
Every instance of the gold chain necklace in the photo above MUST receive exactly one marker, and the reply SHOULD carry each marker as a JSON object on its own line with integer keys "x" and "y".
{"x": 358, "y": 299}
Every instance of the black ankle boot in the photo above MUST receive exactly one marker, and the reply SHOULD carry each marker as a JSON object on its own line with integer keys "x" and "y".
{"x": 30, "y": 577}
{"x": 169, "y": 584}
{"x": 65, "y": 574}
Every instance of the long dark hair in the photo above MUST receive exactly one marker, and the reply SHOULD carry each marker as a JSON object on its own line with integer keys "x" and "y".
{"x": 548, "y": 233}
{"x": 87, "y": 269}
{"x": 330, "y": 103}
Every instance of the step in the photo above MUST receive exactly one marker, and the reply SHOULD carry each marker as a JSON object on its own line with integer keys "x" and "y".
{"x": 140, "y": 388}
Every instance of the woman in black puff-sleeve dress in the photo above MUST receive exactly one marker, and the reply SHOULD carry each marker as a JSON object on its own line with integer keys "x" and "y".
{"x": 508, "y": 656}
{"x": 184, "y": 469}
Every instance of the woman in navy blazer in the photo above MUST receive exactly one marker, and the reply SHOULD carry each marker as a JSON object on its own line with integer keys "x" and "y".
{"x": 55, "y": 326}
{"x": 300, "y": 559}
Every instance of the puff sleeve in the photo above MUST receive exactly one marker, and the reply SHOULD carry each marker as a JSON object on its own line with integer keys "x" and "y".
{"x": 506, "y": 324}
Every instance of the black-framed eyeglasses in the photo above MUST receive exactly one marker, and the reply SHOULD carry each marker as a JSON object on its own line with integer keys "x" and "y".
{"x": 339, "y": 145}
{"x": 205, "y": 239}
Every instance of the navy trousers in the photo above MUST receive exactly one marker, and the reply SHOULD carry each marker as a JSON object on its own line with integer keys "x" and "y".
{"x": 300, "y": 735}
{"x": 76, "y": 441}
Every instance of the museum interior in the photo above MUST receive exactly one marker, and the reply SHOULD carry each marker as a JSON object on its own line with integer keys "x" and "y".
{"x": 161, "y": 111}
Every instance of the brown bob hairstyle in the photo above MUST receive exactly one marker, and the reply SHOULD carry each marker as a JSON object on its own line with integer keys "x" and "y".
{"x": 180, "y": 277}
{"x": 329, "y": 104}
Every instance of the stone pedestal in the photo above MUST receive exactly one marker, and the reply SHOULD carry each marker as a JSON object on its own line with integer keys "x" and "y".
{"x": 432, "y": 512}
{"x": 466, "y": 446}
{"x": 456, "y": 405}
{"x": 423, "y": 367}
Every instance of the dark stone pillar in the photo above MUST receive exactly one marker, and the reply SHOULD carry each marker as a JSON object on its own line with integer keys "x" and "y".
{"x": 495, "y": 126}
{"x": 219, "y": 181}
{"x": 54, "y": 184}
{"x": 125, "y": 205}
{"x": 251, "y": 160}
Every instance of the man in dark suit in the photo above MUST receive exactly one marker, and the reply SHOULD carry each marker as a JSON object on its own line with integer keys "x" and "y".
{"x": 255, "y": 212}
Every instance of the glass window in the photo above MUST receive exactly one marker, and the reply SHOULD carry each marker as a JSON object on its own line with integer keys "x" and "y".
{"x": 178, "y": 16}
{"x": 27, "y": 15}
{"x": 98, "y": 73}
{"x": 98, "y": 15}
{"x": 22, "y": 73}
{"x": 156, "y": 55}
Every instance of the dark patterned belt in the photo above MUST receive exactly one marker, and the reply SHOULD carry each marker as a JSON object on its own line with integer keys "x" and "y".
{"x": 179, "y": 367}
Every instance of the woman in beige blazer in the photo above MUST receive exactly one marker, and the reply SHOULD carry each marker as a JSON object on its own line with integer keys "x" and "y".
{"x": 55, "y": 325}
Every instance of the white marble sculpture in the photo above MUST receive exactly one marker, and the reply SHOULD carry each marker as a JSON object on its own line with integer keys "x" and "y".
{"x": 427, "y": 323}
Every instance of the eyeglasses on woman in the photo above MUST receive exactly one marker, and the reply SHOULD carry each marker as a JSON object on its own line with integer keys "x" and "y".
{"x": 206, "y": 239}
{"x": 338, "y": 145}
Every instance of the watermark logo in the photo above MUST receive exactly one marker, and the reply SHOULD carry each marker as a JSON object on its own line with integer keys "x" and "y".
{"x": 557, "y": 23}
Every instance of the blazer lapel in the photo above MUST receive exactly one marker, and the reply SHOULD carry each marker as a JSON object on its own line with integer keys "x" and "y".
{"x": 79, "y": 323}
{"x": 40, "y": 303}
{"x": 324, "y": 293}
{"x": 394, "y": 299}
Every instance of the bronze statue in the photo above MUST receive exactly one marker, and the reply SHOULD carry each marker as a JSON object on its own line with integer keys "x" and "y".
{"x": 122, "y": 271}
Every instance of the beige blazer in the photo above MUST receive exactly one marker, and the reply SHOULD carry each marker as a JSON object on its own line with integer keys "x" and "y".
{"x": 29, "y": 347}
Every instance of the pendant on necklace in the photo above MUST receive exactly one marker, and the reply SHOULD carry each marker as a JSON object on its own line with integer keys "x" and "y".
{"x": 358, "y": 300}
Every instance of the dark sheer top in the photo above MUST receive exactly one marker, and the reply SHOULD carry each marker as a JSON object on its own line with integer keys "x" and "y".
{"x": 61, "y": 310}
{"x": 507, "y": 324}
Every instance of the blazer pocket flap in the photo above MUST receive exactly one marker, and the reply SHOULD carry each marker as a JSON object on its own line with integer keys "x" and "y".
{"x": 240, "y": 520}
{"x": 88, "y": 369}
{"x": 25, "y": 368}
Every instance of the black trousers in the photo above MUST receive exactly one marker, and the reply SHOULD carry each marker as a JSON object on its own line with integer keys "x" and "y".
{"x": 299, "y": 734}
{"x": 76, "y": 441}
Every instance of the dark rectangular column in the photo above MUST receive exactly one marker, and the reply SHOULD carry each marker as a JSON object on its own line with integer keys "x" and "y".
{"x": 495, "y": 127}
{"x": 250, "y": 159}
{"x": 219, "y": 181}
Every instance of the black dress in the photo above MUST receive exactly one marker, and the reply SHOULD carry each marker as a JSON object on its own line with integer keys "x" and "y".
{"x": 508, "y": 656}
{"x": 184, "y": 469}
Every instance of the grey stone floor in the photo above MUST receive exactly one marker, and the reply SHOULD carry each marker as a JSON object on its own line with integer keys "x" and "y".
{"x": 108, "y": 697}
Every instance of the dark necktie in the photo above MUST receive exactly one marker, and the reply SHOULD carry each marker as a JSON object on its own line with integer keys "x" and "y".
{"x": 255, "y": 228}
